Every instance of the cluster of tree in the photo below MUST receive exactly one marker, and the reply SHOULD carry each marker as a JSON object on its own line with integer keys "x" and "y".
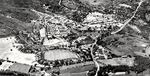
{"x": 141, "y": 64}
{"x": 107, "y": 69}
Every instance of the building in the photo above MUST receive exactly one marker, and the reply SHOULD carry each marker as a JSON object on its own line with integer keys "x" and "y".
{"x": 42, "y": 32}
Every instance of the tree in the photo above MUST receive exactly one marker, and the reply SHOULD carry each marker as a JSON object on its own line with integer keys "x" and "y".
{"x": 141, "y": 64}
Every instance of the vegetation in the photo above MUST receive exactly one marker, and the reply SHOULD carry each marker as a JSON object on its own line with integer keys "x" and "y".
{"x": 16, "y": 18}
{"x": 141, "y": 64}
{"x": 12, "y": 73}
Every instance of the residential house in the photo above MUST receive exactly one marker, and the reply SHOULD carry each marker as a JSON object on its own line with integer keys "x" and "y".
{"x": 43, "y": 32}
{"x": 147, "y": 51}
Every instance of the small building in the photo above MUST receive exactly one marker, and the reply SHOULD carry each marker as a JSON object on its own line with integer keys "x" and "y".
{"x": 43, "y": 32}
{"x": 22, "y": 68}
{"x": 147, "y": 51}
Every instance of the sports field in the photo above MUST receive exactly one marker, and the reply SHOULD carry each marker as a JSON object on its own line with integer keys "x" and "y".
{"x": 59, "y": 55}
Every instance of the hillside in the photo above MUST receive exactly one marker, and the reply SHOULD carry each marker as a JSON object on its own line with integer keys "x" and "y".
{"x": 91, "y": 30}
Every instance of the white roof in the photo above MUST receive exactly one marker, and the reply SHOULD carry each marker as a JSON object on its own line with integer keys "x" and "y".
{"x": 43, "y": 32}
{"x": 147, "y": 50}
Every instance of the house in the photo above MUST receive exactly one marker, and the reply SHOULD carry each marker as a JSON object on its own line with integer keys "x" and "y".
{"x": 43, "y": 32}
{"x": 147, "y": 51}
{"x": 22, "y": 68}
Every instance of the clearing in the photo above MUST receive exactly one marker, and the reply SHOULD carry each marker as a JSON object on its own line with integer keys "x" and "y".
{"x": 59, "y": 55}
{"x": 7, "y": 51}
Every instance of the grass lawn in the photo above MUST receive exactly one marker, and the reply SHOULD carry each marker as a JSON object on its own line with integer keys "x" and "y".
{"x": 59, "y": 55}
{"x": 7, "y": 51}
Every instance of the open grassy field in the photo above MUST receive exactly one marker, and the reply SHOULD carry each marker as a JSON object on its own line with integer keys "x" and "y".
{"x": 77, "y": 68}
{"x": 59, "y": 55}
{"x": 7, "y": 51}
